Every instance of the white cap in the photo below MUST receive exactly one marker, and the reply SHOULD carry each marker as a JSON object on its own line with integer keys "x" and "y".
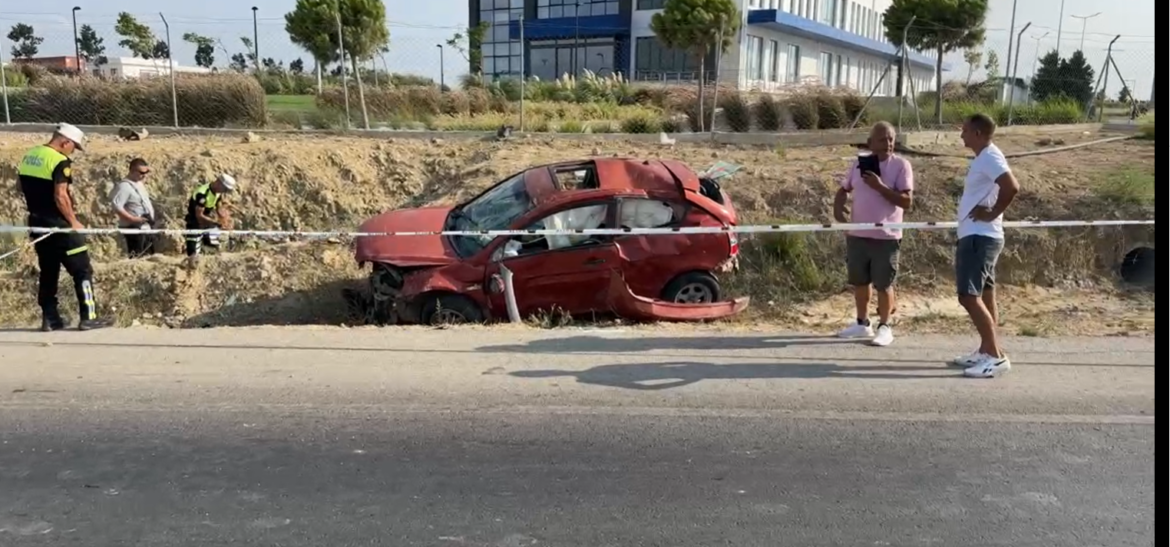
{"x": 72, "y": 133}
{"x": 228, "y": 181}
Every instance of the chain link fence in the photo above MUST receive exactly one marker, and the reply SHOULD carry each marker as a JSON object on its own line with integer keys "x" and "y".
{"x": 243, "y": 71}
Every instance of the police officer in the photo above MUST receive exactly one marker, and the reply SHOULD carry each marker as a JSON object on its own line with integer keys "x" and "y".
{"x": 206, "y": 210}
{"x": 46, "y": 175}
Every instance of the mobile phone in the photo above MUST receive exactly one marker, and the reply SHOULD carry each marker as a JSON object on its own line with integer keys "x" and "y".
{"x": 869, "y": 162}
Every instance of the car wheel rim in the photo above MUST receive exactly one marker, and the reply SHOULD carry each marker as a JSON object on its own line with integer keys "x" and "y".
{"x": 447, "y": 317}
{"x": 694, "y": 293}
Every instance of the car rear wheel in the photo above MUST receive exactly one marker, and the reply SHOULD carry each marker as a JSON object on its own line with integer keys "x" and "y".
{"x": 450, "y": 309}
{"x": 692, "y": 288}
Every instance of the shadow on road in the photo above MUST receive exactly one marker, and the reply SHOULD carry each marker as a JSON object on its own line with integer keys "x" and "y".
{"x": 660, "y": 376}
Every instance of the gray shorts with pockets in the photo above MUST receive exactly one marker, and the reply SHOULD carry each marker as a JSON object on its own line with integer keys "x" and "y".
{"x": 872, "y": 261}
{"x": 975, "y": 261}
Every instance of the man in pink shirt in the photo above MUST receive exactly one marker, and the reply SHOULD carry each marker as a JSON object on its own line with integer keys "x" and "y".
{"x": 872, "y": 255}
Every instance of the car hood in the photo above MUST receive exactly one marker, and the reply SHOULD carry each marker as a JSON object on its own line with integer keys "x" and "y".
{"x": 420, "y": 250}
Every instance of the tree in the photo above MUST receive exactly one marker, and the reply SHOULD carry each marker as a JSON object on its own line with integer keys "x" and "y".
{"x": 1058, "y": 78}
{"x": 239, "y": 62}
{"x": 972, "y": 57}
{"x": 470, "y": 46}
{"x": 1125, "y": 95}
{"x": 204, "y": 49}
{"x": 992, "y": 66}
{"x": 91, "y": 46}
{"x": 136, "y": 37}
{"x": 697, "y": 26}
{"x": 297, "y": 66}
{"x": 250, "y": 49}
{"x": 941, "y": 26}
{"x": 28, "y": 44}
{"x": 162, "y": 50}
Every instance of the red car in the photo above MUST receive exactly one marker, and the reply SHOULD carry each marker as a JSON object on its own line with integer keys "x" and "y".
{"x": 451, "y": 279}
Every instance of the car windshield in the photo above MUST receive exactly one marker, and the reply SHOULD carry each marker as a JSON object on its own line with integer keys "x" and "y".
{"x": 496, "y": 209}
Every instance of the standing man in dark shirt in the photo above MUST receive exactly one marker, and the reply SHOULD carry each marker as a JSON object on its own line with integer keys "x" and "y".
{"x": 46, "y": 174}
{"x": 206, "y": 210}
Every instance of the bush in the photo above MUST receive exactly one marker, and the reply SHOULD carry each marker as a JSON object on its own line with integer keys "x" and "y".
{"x": 805, "y": 111}
{"x": 641, "y": 123}
{"x": 219, "y": 100}
{"x": 854, "y": 106}
{"x": 769, "y": 113}
{"x": 830, "y": 111}
{"x": 737, "y": 112}
{"x": 455, "y": 103}
{"x": 1147, "y": 130}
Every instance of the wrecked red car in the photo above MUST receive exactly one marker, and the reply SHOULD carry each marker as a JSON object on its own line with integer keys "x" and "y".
{"x": 453, "y": 279}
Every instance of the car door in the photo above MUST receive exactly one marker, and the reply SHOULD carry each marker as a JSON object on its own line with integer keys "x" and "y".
{"x": 568, "y": 272}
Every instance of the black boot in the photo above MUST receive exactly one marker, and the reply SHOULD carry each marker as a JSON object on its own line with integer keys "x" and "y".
{"x": 93, "y": 324}
{"x": 50, "y": 324}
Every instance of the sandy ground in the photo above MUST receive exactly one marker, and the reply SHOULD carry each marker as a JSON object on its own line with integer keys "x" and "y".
{"x": 512, "y": 437}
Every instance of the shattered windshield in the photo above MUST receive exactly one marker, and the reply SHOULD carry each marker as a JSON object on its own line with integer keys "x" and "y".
{"x": 497, "y": 209}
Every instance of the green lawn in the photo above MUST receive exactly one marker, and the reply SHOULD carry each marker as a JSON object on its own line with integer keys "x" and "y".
{"x": 295, "y": 103}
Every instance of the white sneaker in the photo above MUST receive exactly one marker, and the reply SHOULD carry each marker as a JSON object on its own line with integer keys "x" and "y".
{"x": 988, "y": 367}
{"x": 966, "y": 360}
{"x": 883, "y": 337}
{"x": 856, "y": 330}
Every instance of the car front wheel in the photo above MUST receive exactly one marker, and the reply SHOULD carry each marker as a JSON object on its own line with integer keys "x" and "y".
{"x": 692, "y": 288}
{"x": 450, "y": 309}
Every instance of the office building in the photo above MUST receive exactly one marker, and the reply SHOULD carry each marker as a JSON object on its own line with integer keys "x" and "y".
{"x": 781, "y": 42}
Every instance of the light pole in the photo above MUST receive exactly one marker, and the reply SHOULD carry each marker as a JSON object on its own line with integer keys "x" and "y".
{"x": 1060, "y": 27}
{"x": 1084, "y": 24}
{"x": 1036, "y": 57}
{"x": 442, "y": 73}
{"x": 255, "y": 37}
{"x": 1007, "y": 72}
{"x": 76, "y": 42}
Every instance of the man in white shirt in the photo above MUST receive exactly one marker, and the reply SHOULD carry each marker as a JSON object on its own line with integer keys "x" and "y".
{"x": 988, "y": 189}
{"x": 131, "y": 203}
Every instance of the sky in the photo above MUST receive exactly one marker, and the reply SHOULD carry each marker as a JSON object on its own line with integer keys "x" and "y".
{"x": 416, "y": 30}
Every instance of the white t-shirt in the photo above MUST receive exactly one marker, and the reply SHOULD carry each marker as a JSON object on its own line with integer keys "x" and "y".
{"x": 981, "y": 190}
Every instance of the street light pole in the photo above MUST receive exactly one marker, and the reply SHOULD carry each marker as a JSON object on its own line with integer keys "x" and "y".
{"x": 1036, "y": 57}
{"x": 1060, "y": 28}
{"x": 442, "y": 72}
{"x": 76, "y": 42}
{"x": 1084, "y": 24}
{"x": 255, "y": 37}
{"x": 1008, "y": 69}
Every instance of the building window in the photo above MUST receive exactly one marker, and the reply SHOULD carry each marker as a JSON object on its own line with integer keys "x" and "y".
{"x": 654, "y": 61}
{"x": 651, "y": 4}
{"x": 754, "y": 62}
{"x": 840, "y": 77}
{"x": 826, "y": 12}
{"x": 501, "y": 54}
{"x": 793, "y": 69}
{"x": 774, "y": 65}
{"x": 826, "y": 68}
{"x": 553, "y": 9}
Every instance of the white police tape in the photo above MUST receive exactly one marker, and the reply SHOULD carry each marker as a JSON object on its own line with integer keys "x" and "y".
{"x": 750, "y": 229}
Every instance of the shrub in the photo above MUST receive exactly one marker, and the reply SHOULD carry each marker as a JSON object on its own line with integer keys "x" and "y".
{"x": 830, "y": 111}
{"x": 854, "y": 105}
{"x": 571, "y": 126}
{"x": 203, "y": 101}
{"x": 804, "y": 110}
{"x": 737, "y": 112}
{"x": 478, "y": 100}
{"x": 1147, "y": 130}
{"x": 769, "y": 113}
{"x": 455, "y": 103}
{"x": 641, "y": 123}
{"x": 671, "y": 125}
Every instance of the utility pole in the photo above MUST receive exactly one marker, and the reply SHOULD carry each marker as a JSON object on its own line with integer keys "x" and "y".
{"x": 1007, "y": 73}
{"x": 256, "y": 38}
{"x": 76, "y": 42}
{"x": 1084, "y": 24}
{"x": 1060, "y": 28}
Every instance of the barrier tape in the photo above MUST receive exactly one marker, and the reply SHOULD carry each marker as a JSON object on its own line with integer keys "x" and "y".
{"x": 750, "y": 229}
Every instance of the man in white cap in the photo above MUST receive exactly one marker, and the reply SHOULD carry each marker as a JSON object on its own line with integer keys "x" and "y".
{"x": 206, "y": 210}
{"x": 46, "y": 175}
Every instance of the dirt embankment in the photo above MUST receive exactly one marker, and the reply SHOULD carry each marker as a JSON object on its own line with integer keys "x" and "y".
{"x": 315, "y": 183}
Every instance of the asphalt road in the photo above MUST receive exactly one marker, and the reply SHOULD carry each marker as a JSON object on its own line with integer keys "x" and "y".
{"x": 510, "y": 437}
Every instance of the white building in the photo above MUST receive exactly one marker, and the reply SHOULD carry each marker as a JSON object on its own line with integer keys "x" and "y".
{"x": 134, "y": 67}
{"x": 781, "y": 42}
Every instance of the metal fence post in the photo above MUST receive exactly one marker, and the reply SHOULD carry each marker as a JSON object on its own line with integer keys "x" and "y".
{"x": 171, "y": 68}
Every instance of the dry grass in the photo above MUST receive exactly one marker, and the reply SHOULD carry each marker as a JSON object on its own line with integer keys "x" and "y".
{"x": 335, "y": 183}
{"x": 222, "y": 100}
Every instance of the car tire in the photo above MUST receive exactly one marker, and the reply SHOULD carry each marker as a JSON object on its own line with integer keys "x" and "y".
{"x": 693, "y": 288}
{"x": 450, "y": 309}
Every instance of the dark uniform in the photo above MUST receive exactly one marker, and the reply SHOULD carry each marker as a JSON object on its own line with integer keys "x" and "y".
{"x": 39, "y": 172}
{"x": 208, "y": 199}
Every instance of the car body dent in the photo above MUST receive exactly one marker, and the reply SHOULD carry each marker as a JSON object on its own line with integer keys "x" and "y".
{"x": 406, "y": 251}
{"x": 625, "y": 303}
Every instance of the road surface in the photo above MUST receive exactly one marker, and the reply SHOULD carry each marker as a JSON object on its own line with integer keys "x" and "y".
{"x": 579, "y": 438}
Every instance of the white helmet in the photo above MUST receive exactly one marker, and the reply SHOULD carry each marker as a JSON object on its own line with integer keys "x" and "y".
{"x": 228, "y": 182}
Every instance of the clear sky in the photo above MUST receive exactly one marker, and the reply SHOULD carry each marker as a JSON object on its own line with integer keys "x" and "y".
{"x": 416, "y": 27}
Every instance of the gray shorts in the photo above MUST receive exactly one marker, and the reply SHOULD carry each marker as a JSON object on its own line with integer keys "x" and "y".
{"x": 975, "y": 260}
{"x": 872, "y": 261}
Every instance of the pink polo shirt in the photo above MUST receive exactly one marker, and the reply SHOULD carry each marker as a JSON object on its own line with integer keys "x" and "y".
{"x": 869, "y": 205}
